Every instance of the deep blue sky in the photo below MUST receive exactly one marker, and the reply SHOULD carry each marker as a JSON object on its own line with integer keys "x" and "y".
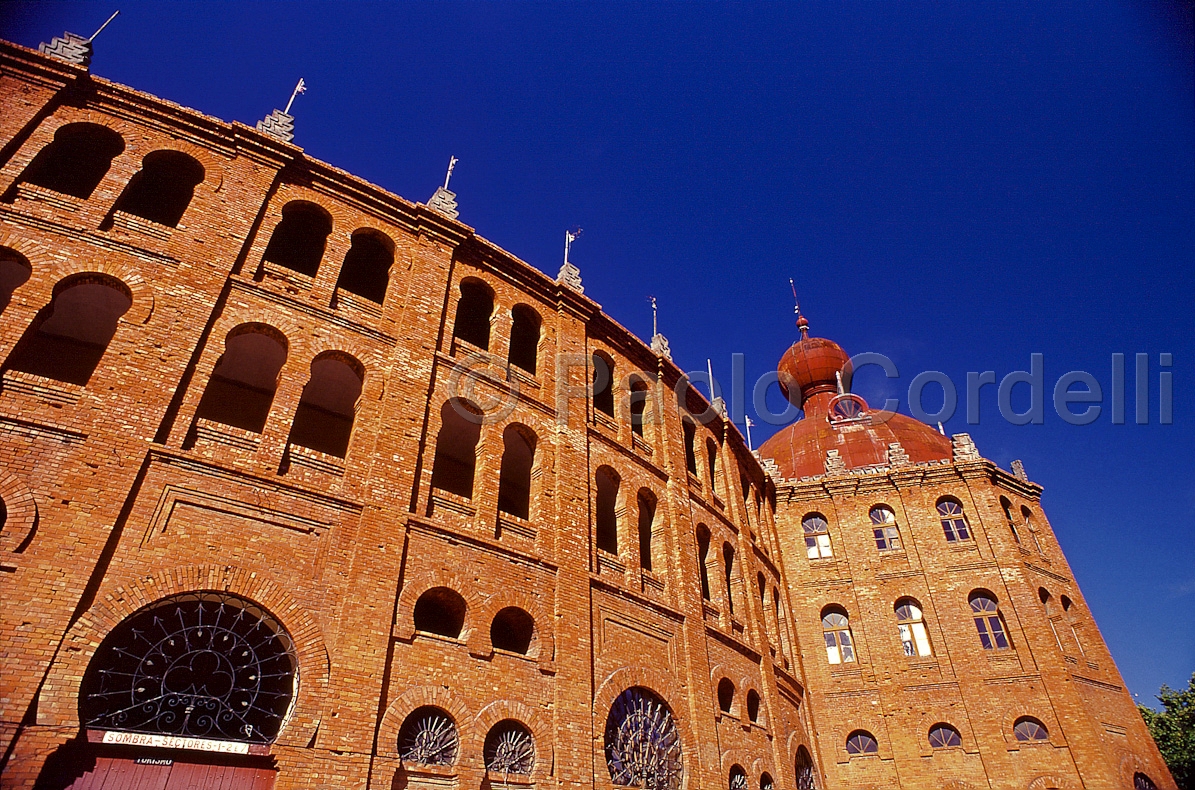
{"x": 956, "y": 186}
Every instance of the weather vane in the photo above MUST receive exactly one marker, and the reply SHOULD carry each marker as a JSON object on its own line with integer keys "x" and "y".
{"x": 452, "y": 160}
{"x": 654, "y": 328}
{"x": 796, "y": 302}
{"x": 300, "y": 88}
{"x": 101, "y": 30}
{"x": 748, "y": 423}
{"x": 569, "y": 237}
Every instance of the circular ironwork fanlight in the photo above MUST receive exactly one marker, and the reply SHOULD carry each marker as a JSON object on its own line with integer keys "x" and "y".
{"x": 428, "y": 737}
{"x": 642, "y": 743}
{"x": 509, "y": 749}
{"x": 205, "y": 665}
{"x": 847, "y": 407}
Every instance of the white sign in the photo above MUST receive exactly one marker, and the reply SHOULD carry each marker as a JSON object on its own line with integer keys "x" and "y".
{"x": 174, "y": 742}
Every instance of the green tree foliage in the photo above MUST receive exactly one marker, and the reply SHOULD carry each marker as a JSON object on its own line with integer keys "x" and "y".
{"x": 1173, "y": 729}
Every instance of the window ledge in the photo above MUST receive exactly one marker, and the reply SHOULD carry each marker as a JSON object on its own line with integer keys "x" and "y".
{"x": 32, "y": 192}
{"x": 515, "y": 525}
{"x": 640, "y": 444}
{"x": 314, "y": 459}
{"x": 608, "y": 563}
{"x": 136, "y": 224}
{"x": 294, "y": 280}
{"x": 516, "y": 373}
{"x": 694, "y": 481}
{"x": 508, "y": 780}
{"x": 359, "y": 303}
{"x": 453, "y": 503}
{"x": 219, "y": 433}
{"x": 47, "y": 389}
{"x": 604, "y": 420}
{"x": 652, "y": 582}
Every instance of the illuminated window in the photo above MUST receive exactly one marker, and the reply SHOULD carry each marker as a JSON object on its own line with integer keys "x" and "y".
{"x": 954, "y": 523}
{"x": 836, "y": 628}
{"x": 988, "y": 621}
{"x": 887, "y": 535}
{"x": 817, "y": 536}
{"x": 911, "y": 625}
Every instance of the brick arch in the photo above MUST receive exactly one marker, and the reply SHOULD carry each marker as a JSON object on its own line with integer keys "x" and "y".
{"x": 543, "y": 646}
{"x": 1042, "y": 713}
{"x": 212, "y": 164}
{"x": 659, "y": 683}
{"x": 58, "y": 704}
{"x": 1051, "y": 781}
{"x": 746, "y": 686}
{"x": 34, "y": 251}
{"x": 733, "y": 757}
{"x": 758, "y": 767}
{"x": 21, "y": 524}
{"x": 541, "y": 732}
{"x": 364, "y": 354}
{"x": 1131, "y": 763}
{"x": 290, "y": 330}
{"x": 142, "y": 293}
{"x": 419, "y": 583}
{"x": 796, "y": 739}
{"x": 418, "y": 697}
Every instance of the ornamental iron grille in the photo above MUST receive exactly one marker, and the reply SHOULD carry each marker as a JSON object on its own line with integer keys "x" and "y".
{"x": 1143, "y": 782}
{"x": 642, "y": 743}
{"x": 202, "y": 665}
{"x": 428, "y": 737}
{"x": 943, "y": 736}
{"x": 1029, "y": 729}
{"x": 805, "y": 777}
{"x": 509, "y": 749}
{"x": 766, "y": 783}
{"x": 738, "y": 778}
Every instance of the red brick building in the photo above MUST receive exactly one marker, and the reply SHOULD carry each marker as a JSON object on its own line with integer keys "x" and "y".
{"x": 307, "y": 485}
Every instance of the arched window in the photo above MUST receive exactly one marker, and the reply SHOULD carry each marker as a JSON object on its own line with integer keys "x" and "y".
{"x": 954, "y": 523}
{"x": 456, "y": 448}
{"x": 607, "y": 509}
{"x": 241, "y": 389}
{"x": 725, "y": 695}
{"x": 473, "y": 311}
{"x": 603, "y": 384}
{"x": 642, "y": 742}
{"x": 728, "y": 565}
{"x": 440, "y": 611}
{"x": 638, "y": 404}
{"x": 1143, "y": 782}
{"x": 509, "y": 749}
{"x": 885, "y": 531}
{"x": 806, "y": 778}
{"x": 366, "y": 268}
{"x": 988, "y": 621}
{"x": 690, "y": 439}
{"x": 328, "y": 406}
{"x": 162, "y": 189}
{"x": 836, "y": 628}
{"x": 738, "y": 778}
{"x": 68, "y": 338}
{"x": 514, "y": 480}
{"x": 703, "y": 556}
{"x": 513, "y": 630}
{"x": 299, "y": 237}
{"x": 524, "y": 338}
{"x": 216, "y": 654}
{"x": 1047, "y": 602}
{"x": 943, "y": 736}
{"x": 861, "y": 742}
{"x": 711, "y": 453}
{"x": 76, "y": 161}
{"x": 15, "y": 271}
{"x": 1027, "y": 519}
{"x": 428, "y": 737}
{"x": 647, "y": 520}
{"x": 766, "y": 782}
{"x": 753, "y": 706}
{"x": 1068, "y": 612}
{"x": 817, "y": 536}
{"x": 911, "y": 626}
{"x": 1006, "y": 506}
{"x": 1028, "y": 729}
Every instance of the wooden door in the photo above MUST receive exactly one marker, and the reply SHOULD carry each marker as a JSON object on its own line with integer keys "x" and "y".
{"x": 123, "y": 773}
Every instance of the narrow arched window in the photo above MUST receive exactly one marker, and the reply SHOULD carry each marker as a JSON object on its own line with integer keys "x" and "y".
{"x": 428, "y": 736}
{"x": 728, "y": 565}
{"x": 885, "y": 531}
{"x": 456, "y": 448}
{"x": 711, "y": 452}
{"x": 1028, "y": 729}
{"x": 1067, "y": 611}
{"x": 988, "y": 621}
{"x": 911, "y": 626}
{"x": 299, "y": 238}
{"x": 703, "y": 554}
{"x": 324, "y": 419}
{"x": 1027, "y": 519}
{"x": 1047, "y": 602}
{"x": 943, "y": 736}
{"x": 440, "y": 611}
{"x": 690, "y": 440}
{"x": 647, "y": 519}
{"x": 954, "y": 523}
{"x": 753, "y": 706}
{"x": 766, "y": 782}
{"x": 15, "y": 271}
{"x": 473, "y": 312}
{"x": 509, "y": 749}
{"x": 638, "y": 404}
{"x": 514, "y": 481}
{"x": 607, "y": 509}
{"x": 162, "y": 189}
{"x": 524, "y": 338}
{"x": 76, "y": 161}
{"x": 806, "y": 778}
{"x": 738, "y": 778}
{"x": 68, "y": 338}
{"x": 725, "y": 695}
{"x": 1006, "y": 506}
{"x": 817, "y": 536}
{"x": 512, "y": 630}
{"x": 241, "y": 389}
{"x": 836, "y": 629}
{"x": 366, "y": 268}
{"x": 603, "y": 384}
{"x": 861, "y": 742}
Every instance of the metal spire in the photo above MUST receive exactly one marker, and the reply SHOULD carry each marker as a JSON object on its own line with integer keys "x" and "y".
{"x": 300, "y": 88}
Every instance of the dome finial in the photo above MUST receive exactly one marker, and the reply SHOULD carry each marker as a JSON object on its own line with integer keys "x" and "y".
{"x": 802, "y": 322}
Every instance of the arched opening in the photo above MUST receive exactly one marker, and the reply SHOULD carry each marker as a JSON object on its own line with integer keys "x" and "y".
{"x": 76, "y": 160}
{"x": 15, "y": 271}
{"x": 884, "y": 528}
{"x": 324, "y": 418}
{"x": 68, "y": 338}
{"x": 1027, "y": 520}
{"x": 162, "y": 189}
{"x": 607, "y": 509}
{"x": 753, "y": 706}
{"x": 737, "y": 779}
{"x": 218, "y": 654}
{"x": 703, "y": 558}
{"x": 1143, "y": 782}
{"x": 428, "y": 736}
{"x": 690, "y": 439}
{"x": 642, "y": 742}
{"x": 1030, "y": 729}
{"x": 988, "y": 621}
{"x": 473, "y": 311}
{"x": 728, "y": 567}
{"x": 806, "y": 778}
{"x": 509, "y": 749}
{"x": 910, "y": 625}
{"x": 1009, "y": 519}
{"x": 241, "y": 389}
{"x": 603, "y": 384}
{"x": 512, "y": 630}
{"x": 647, "y": 520}
{"x": 638, "y": 404}
{"x": 440, "y": 611}
{"x": 861, "y": 742}
{"x": 366, "y": 268}
{"x": 711, "y": 453}
{"x": 456, "y": 448}
{"x": 944, "y": 736}
{"x": 524, "y": 338}
{"x": 514, "y": 481}
{"x": 766, "y": 782}
{"x": 836, "y": 630}
{"x": 299, "y": 237}
{"x": 954, "y": 521}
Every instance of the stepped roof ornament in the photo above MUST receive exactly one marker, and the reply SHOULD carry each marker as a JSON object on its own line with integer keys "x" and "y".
{"x": 280, "y": 124}
{"x": 443, "y": 199}
{"x": 659, "y": 343}
{"x": 73, "y": 48}
{"x": 569, "y": 275}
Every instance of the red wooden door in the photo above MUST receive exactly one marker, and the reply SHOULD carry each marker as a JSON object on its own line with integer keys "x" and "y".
{"x": 123, "y": 773}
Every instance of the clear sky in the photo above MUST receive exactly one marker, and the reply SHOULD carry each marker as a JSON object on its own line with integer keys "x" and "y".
{"x": 955, "y": 185}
